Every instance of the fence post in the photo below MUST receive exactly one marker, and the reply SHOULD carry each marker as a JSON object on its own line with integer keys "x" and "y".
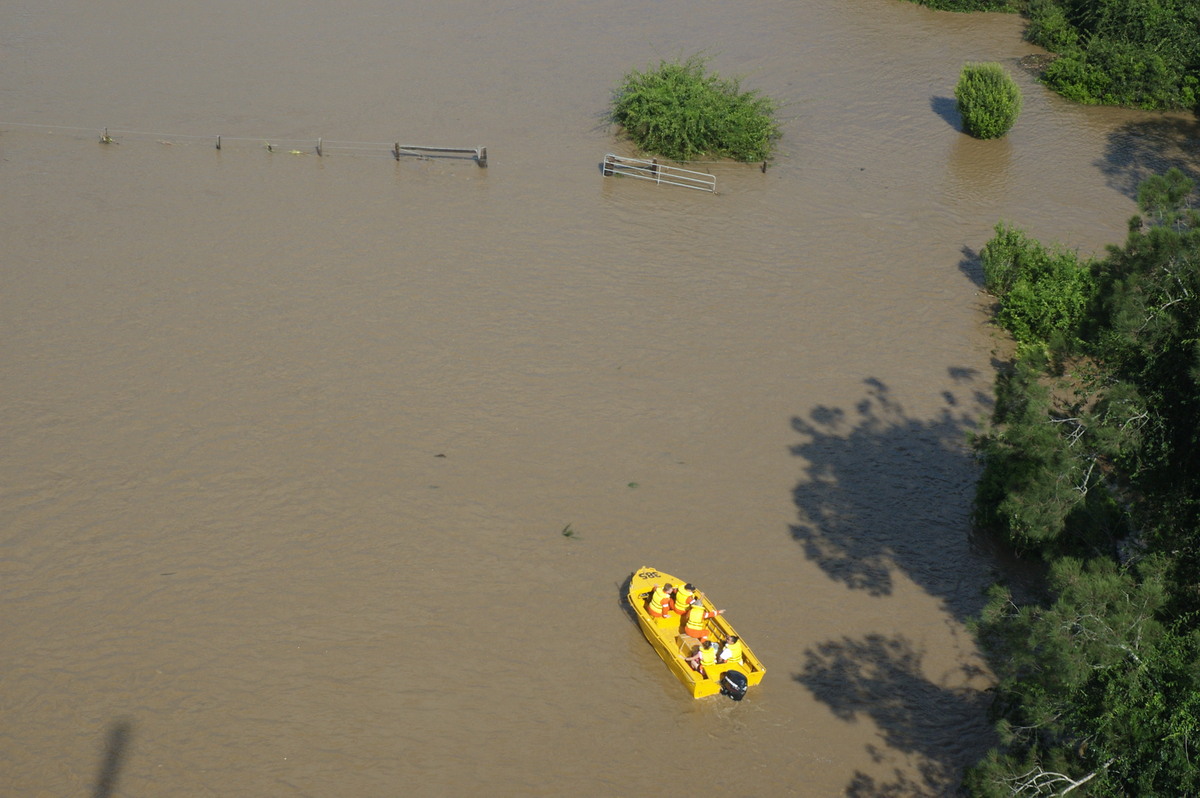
{"x": 481, "y": 157}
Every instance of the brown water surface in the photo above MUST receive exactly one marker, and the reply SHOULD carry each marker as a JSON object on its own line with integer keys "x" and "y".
{"x": 290, "y": 443}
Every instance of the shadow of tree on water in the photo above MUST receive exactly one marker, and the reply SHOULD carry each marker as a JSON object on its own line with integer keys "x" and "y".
{"x": 886, "y": 493}
{"x": 1138, "y": 150}
{"x": 881, "y": 677}
{"x": 119, "y": 735}
{"x": 885, "y": 497}
{"x": 971, "y": 265}
{"x": 947, "y": 109}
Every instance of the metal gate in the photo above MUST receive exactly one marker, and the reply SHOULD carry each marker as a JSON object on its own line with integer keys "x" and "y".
{"x": 659, "y": 173}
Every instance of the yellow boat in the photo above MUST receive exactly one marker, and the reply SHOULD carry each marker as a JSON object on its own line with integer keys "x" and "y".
{"x": 668, "y": 639}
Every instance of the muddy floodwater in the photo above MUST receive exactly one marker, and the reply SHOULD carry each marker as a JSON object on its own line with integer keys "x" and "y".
{"x": 321, "y": 475}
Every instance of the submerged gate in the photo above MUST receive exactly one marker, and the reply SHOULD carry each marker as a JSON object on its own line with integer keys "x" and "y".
{"x": 659, "y": 173}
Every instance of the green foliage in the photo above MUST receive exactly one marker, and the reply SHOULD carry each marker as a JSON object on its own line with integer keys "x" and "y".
{"x": 683, "y": 112}
{"x": 1050, "y": 28}
{"x": 1043, "y": 293}
{"x": 1165, "y": 196}
{"x": 1041, "y": 485}
{"x": 1137, "y": 53}
{"x": 1149, "y": 328}
{"x": 972, "y": 5}
{"x": 1092, "y": 683}
{"x": 1102, "y": 618}
{"x": 1129, "y": 410}
{"x": 1028, "y": 484}
{"x": 989, "y": 100}
{"x": 1095, "y": 455}
{"x": 1116, "y": 72}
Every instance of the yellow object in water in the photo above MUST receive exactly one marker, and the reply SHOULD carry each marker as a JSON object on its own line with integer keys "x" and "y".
{"x": 668, "y": 638}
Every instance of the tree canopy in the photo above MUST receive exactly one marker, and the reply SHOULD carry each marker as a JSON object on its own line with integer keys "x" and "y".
{"x": 1092, "y": 462}
{"x": 1135, "y": 53}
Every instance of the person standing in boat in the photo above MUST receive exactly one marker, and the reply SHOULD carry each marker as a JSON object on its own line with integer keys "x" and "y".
{"x": 697, "y": 620}
{"x": 659, "y": 604}
{"x": 731, "y": 652}
{"x": 683, "y": 598}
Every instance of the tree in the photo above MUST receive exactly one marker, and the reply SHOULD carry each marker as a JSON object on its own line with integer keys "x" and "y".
{"x": 1096, "y": 687}
{"x": 1118, "y": 434}
{"x": 1148, "y": 331}
{"x": 1093, "y": 462}
{"x": 1036, "y": 473}
{"x": 1138, "y": 53}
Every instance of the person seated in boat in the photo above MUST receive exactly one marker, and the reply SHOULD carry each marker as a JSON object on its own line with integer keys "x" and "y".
{"x": 705, "y": 656}
{"x": 659, "y": 605}
{"x": 731, "y": 652}
{"x": 697, "y": 620}
{"x": 683, "y": 597}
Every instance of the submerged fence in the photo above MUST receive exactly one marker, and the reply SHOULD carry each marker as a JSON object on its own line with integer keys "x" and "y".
{"x": 612, "y": 165}
{"x": 643, "y": 169}
{"x": 320, "y": 146}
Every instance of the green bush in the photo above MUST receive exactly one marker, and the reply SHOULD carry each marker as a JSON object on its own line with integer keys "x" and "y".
{"x": 1050, "y": 28}
{"x": 682, "y": 112}
{"x": 1076, "y": 79}
{"x": 1044, "y": 293}
{"x": 1115, "y": 72}
{"x": 988, "y": 100}
{"x": 1136, "y": 53}
{"x": 972, "y": 5}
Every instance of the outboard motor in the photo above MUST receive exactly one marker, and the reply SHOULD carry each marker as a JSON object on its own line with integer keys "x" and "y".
{"x": 734, "y": 684}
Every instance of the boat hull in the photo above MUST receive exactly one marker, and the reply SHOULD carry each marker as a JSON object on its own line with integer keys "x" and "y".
{"x": 674, "y": 647}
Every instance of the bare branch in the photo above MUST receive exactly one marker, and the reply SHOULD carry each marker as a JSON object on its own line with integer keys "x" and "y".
{"x": 1038, "y": 782}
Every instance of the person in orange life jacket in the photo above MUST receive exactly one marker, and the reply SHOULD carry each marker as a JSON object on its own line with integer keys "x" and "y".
{"x": 683, "y": 597}
{"x": 706, "y": 655}
{"x": 696, "y": 625}
{"x": 659, "y": 604}
{"x": 732, "y": 651}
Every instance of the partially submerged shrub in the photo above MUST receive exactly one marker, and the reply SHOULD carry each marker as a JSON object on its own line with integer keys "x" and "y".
{"x": 1043, "y": 292}
{"x": 988, "y": 100}
{"x": 1116, "y": 72}
{"x": 1135, "y": 53}
{"x": 971, "y": 5}
{"x": 682, "y": 112}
